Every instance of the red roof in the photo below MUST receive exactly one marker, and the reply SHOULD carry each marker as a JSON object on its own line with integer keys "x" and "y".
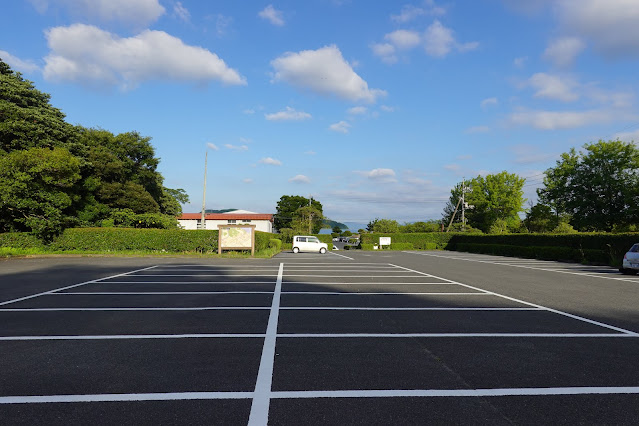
{"x": 227, "y": 216}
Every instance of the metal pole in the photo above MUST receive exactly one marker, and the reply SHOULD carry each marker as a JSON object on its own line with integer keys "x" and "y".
{"x": 453, "y": 216}
{"x": 463, "y": 204}
{"x": 206, "y": 156}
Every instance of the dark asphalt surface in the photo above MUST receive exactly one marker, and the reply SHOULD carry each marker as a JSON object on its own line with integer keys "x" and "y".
{"x": 89, "y": 355}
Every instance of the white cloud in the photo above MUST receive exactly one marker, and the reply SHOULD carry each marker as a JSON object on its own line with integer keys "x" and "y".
{"x": 323, "y": 71}
{"x": 404, "y": 39}
{"x": 181, "y": 12}
{"x": 410, "y": 12}
{"x": 84, "y": 53}
{"x": 212, "y": 146}
{"x": 553, "y": 87}
{"x": 300, "y": 179}
{"x": 137, "y": 12}
{"x": 379, "y": 175}
{"x": 556, "y": 120}
{"x": 246, "y": 140}
{"x": 310, "y": 153}
{"x": 18, "y": 64}
{"x": 489, "y": 102}
{"x": 248, "y": 111}
{"x": 247, "y": 180}
{"x": 610, "y": 25}
{"x": 358, "y": 110}
{"x": 271, "y": 161}
{"x": 387, "y": 108}
{"x": 385, "y": 51}
{"x": 289, "y": 114}
{"x": 341, "y": 127}
{"x": 439, "y": 41}
{"x": 628, "y": 136}
{"x": 236, "y": 147}
{"x": 520, "y": 62}
{"x": 477, "y": 129}
{"x": 452, "y": 167}
{"x": 274, "y": 16}
{"x": 563, "y": 51}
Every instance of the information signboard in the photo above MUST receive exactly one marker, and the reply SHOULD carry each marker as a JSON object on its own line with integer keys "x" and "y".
{"x": 384, "y": 241}
{"x": 236, "y": 237}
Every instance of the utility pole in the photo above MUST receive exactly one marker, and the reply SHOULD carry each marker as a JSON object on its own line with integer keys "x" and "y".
{"x": 310, "y": 214}
{"x": 206, "y": 156}
{"x": 463, "y": 204}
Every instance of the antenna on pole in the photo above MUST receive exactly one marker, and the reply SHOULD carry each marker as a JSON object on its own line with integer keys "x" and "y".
{"x": 206, "y": 156}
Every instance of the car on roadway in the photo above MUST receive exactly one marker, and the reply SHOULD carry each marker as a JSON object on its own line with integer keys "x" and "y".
{"x": 308, "y": 243}
{"x": 631, "y": 261}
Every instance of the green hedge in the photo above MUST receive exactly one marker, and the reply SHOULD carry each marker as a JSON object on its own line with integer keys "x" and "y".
{"x": 401, "y": 246}
{"x": 20, "y": 240}
{"x": 275, "y": 244}
{"x": 419, "y": 240}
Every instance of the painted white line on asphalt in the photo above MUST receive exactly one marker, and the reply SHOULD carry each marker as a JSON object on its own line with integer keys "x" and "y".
{"x": 447, "y": 335}
{"x": 145, "y": 293}
{"x": 386, "y": 293}
{"x": 203, "y": 275}
{"x": 584, "y": 274}
{"x": 403, "y": 276}
{"x": 261, "y": 397}
{"x": 365, "y": 283}
{"x": 73, "y": 286}
{"x": 114, "y": 397}
{"x": 335, "y": 308}
{"x": 201, "y": 308}
{"x": 341, "y": 255}
{"x": 269, "y": 269}
{"x": 600, "y": 324}
{"x": 189, "y": 282}
{"x": 135, "y": 337}
{"x": 457, "y": 392}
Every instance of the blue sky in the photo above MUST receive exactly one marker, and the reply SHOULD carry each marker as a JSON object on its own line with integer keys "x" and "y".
{"x": 377, "y": 109}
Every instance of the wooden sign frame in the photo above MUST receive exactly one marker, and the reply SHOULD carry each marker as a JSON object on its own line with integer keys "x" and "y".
{"x": 220, "y": 243}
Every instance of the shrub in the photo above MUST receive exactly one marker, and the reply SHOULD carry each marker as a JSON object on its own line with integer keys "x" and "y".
{"x": 21, "y": 240}
{"x": 401, "y": 246}
{"x": 366, "y": 246}
{"x": 276, "y": 244}
{"x": 420, "y": 241}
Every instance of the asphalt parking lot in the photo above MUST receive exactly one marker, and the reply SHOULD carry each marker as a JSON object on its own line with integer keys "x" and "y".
{"x": 342, "y": 338}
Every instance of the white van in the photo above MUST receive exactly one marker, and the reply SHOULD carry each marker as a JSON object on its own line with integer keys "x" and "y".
{"x": 308, "y": 243}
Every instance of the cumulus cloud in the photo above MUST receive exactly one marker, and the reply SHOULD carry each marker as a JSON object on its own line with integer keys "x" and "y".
{"x": 489, "y": 102}
{"x": 181, "y": 12}
{"x": 247, "y": 180}
{"x": 610, "y": 25}
{"x": 274, "y": 16}
{"x": 341, "y": 127}
{"x": 404, "y": 39}
{"x": 18, "y": 64}
{"x": 387, "y": 108}
{"x": 563, "y": 51}
{"x": 385, "y": 51}
{"x": 440, "y": 41}
{"x": 236, "y": 147}
{"x": 358, "y": 110}
{"x": 553, "y": 87}
{"x": 84, "y": 53}
{"x": 300, "y": 179}
{"x": 138, "y": 12}
{"x": 270, "y": 161}
{"x": 289, "y": 114}
{"x": 410, "y": 12}
{"x": 310, "y": 153}
{"x": 520, "y": 62}
{"x": 556, "y": 120}
{"x": 379, "y": 175}
{"x": 323, "y": 71}
{"x": 212, "y": 146}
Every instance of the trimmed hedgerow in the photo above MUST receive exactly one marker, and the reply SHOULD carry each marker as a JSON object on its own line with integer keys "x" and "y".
{"x": 276, "y": 244}
{"x": 20, "y": 240}
{"x": 401, "y": 246}
{"x": 419, "y": 240}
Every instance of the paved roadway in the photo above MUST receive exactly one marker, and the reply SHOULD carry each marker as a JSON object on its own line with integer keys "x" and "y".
{"x": 343, "y": 338}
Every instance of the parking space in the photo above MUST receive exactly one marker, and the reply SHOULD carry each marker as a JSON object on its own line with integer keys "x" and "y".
{"x": 306, "y": 338}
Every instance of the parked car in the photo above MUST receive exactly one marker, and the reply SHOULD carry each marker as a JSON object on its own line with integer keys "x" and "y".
{"x": 631, "y": 261}
{"x": 309, "y": 244}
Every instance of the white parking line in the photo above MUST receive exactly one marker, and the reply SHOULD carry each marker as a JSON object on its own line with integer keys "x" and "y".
{"x": 200, "y": 308}
{"x": 72, "y": 286}
{"x": 341, "y": 255}
{"x": 386, "y": 293}
{"x": 122, "y": 293}
{"x": 611, "y": 327}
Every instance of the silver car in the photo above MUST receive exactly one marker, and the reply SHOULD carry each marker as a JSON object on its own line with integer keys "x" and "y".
{"x": 631, "y": 261}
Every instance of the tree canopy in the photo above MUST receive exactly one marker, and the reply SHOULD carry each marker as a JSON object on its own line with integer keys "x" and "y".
{"x": 55, "y": 175}
{"x": 288, "y": 213}
{"x": 597, "y": 187}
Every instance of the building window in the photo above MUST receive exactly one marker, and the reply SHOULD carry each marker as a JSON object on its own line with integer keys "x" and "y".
{"x": 246, "y": 220}
{"x": 232, "y": 221}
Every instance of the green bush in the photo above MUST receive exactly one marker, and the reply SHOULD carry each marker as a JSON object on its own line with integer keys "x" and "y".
{"x": 420, "y": 241}
{"x": 21, "y": 240}
{"x": 401, "y": 246}
{"x": 276, "y": 244}
{"x": 366, "y": 246}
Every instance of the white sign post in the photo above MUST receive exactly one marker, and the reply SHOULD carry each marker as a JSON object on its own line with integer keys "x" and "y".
{"x": 384, "y": 241}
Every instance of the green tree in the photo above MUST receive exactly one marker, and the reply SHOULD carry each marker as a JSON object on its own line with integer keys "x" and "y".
{"x": 336, "y": 230}
{"x": 288, "y": 205}
{"x": 385, "y": 226}
{"x": 35, "y": 190}
{"x": 429, "y": 226}
{"x": 307, "y": 220}
{"x": 541, "y": 218}
{"x": 597, "y": 187}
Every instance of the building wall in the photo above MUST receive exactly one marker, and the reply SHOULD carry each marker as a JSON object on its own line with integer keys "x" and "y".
{"x": 260, "y": 225}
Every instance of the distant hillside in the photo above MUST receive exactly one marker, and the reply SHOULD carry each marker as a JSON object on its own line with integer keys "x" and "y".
{"x": 333, "y": 224}
{"x": 219, "y": 211}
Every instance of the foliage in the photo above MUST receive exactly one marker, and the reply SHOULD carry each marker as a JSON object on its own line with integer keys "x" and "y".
{"x": 598, "y": 187}
{"x": 334, "y": 224}
{"x": 540, "y": 218}
{"x": 22, "y": 240}
{"x": 307, "y": 220}
{"x": 347, "y": 234}
{"x": 128, "y": 218}
{"x": 276, "y": 244}
{"x": 564, "y": 228}
{"x": 420, "y": 241}
{"x": 288, "y": 205}
{"x": 383, "y": 226}
{"x": 429, "y": 226}
{"x": 336, "y": 231}
{"x": 35, "y": 190}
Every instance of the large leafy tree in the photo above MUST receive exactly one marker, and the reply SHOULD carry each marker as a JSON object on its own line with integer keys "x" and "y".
{"x": 495, "y": 199}
{"x": 597, "y": 187}
{"x": 385, "y": 226}
{"x": 287, "y": 208}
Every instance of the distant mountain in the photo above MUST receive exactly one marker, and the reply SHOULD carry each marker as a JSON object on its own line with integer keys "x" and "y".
{"x": 219, "y": 211}
{"x": 333, "y": 224}
{"x": 354, "y": 226}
